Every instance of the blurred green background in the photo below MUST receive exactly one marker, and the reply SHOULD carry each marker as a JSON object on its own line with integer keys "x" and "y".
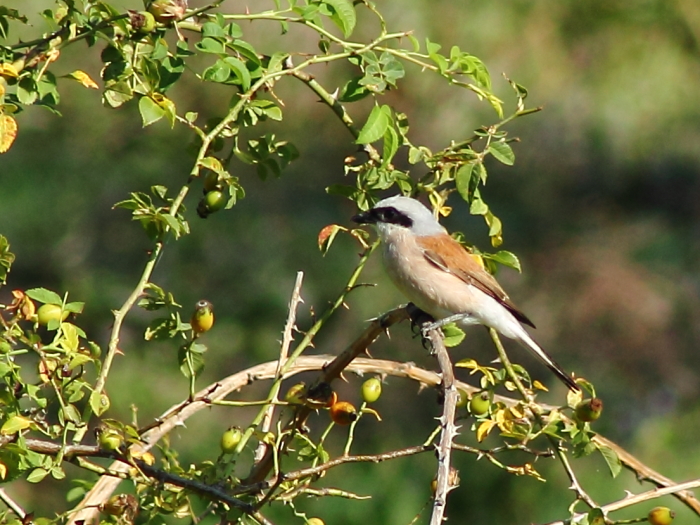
{"x": 602, "y": 206}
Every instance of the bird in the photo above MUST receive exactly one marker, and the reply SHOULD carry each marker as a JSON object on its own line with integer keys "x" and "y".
{"x": 438, "y": 275}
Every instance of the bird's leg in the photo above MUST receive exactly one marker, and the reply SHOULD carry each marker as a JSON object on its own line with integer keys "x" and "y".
{"x": 419, "y": 318}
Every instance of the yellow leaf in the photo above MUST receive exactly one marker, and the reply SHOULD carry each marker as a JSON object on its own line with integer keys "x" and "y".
{"x": 539, "y": 386}
{"x": 14, "y": 425}
{"x": 467, "y": 363}
{"x": 484, "y": 429}
{"x": 8, "y": 132}
{"x": 3, "y": 471}
{"x": 530, "y": 471}
{"x": 517, "y": 412}
{"x": 8, "y": 70}
{"x": 83, "y": 78}
{"x": 478, "y": 259}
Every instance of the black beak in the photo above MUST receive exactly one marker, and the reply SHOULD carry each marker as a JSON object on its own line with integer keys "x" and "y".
{"x": 364, "y": 218}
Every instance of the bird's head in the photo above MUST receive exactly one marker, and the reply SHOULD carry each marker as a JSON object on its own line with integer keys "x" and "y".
{"x": 399, "y": 212}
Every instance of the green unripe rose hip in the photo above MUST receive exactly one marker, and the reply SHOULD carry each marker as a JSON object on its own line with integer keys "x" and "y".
{"x": 212, "y": 202}
{"x": 371, "y": 390}
{"x": 211, "y": 182}
{"x": 230, "y": 440}
{"x": 50, "y": 312}
{"x": 589, "y": 410}
{"x": 479, "y": 403}
{"x": 463, "y": 400}
{"x": 110, "y": 440}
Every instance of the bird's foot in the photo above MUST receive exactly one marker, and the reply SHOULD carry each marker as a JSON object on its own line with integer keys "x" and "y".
{"x": 427, "y": 327}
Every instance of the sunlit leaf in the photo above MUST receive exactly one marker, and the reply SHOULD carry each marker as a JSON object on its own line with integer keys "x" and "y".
{"x": 44, "y": 296}
{"x": 83, "y": 78}
{"x": 376, "y": 125}
{"x": 326, "y": 237}
{"x": 14, "y": 425}
{"x": 343, "y": 15}
{"x": 8, "y": 132}
{"x": 502, "y": 152}
{"x": 150, "y": 111}
{"x": 611, "y": 459}
{"x": 453, "y": 335}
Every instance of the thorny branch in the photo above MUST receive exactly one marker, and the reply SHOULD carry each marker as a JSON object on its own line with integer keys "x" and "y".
{"x": 447, "y": 421}
{"x": 177, "y": 415}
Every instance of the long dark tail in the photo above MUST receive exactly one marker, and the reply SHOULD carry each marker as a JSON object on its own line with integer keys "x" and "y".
{"x": 528, "y": 343}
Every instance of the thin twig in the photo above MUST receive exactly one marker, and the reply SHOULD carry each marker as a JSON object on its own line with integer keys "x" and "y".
{"x": 287, "y": 338}
{"x": 12, "y": 504}
{"x": 639, "y": 498}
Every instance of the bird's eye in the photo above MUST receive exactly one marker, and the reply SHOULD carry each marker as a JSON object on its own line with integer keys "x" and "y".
{"x": 389, "y": 214}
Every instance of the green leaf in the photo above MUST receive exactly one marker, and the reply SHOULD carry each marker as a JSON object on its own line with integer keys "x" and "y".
{"x": 246, "y": 50}
{"x": 150, "y": 111}
{"x": 44, "y": 296}
{"x": 343, "y": 15}
{"x": 240, "y": 70}
{"x": 160, "y": 329}
{"x": 495, "y": 229}
{"x": 211, "y": 29}
{"x": 267, "y": 108}
{"x": 211, "y": 45}
{"x": 169, "y": 107}
{"x": 99, "y": 403}
{"x": 6, "y": 258}
{"x": 37, "y": 475}
{"x": 478, "y": 207}
{"x": 217, "y": 72}
{"x": 76, "y": 307}
{"x": 502, "y": 152}
{"x": 376, "y": 125}
{"x": 611, "y": 458}
{"x": 481, "y": 172}
{"x": 453, "y": 335}
{"x": 391, "y": 145}
{"x": 234, "y": 30}
{"x": 196, "y": 360}
{"x": 505, "y": 258}
{"x": 596, "y": 517}
{"x": 57, "y": 472}
{"x": 70, "y": 413}
{"x": 463, "y": 179}
{"x": 353, "y": 91}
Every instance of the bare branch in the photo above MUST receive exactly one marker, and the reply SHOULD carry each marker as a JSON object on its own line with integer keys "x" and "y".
{"x": 639, "y": 498}
{"x": 287, "y": 338}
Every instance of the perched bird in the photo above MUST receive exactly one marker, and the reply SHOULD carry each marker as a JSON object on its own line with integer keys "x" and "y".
{"x": 440, "y": 277}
